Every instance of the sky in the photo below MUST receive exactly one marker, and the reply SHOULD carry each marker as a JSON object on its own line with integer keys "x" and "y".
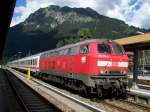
{"x": 133, "y": 12}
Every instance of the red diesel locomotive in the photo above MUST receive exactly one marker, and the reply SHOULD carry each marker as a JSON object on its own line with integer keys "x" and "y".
{"x": 93, "y": 66}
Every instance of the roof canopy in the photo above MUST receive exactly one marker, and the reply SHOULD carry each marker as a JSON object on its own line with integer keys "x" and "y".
{"x": 139, "y": 41}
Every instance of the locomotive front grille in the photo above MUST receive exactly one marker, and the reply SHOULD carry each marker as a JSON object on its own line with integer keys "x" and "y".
{"x": 115, "y": 72}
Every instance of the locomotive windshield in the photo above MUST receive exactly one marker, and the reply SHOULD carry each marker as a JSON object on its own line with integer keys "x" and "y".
{"x": 117, "y": 48}
{"x": 104, "y": 48}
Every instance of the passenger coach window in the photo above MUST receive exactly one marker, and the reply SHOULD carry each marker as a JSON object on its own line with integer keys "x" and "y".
{"x": 104, "y": 48}
{"x": 84, "y": 49}
{"x": 35, "y": 62}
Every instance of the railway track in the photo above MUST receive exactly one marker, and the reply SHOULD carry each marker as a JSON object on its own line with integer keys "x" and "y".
{"x": 147, "y": 87}
{"x": 126, "y": 106}
{"x": 75, "y": 104}
{"x": 106, "y": 105}
{"x": 8, "y": 100}
{"x": 29, "y": 99}
{"x": 117, "y": 108}
{"x": 136, "y": 105}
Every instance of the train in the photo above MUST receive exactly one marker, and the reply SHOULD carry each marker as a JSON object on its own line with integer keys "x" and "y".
{"x": 89, "y": 66}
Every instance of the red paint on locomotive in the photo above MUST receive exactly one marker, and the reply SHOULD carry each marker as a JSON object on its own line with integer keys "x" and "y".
{"x": 93, "y": 64}
{"x": 90, "y": 62}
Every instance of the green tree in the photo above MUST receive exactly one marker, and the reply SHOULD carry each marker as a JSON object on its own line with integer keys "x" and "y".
{"x": 60, "y": 44}
{"x": 84, "y": 32}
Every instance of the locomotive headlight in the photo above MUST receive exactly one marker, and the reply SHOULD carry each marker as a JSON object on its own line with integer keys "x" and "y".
{"x": 107, "y": 72}
{"x": 123, "y": 71}
{"x": 102, "y": 71}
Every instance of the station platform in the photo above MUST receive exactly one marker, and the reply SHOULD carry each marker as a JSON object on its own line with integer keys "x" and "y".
{"x": 140, "y": 95}
{"x": 140, "y": 91}
{"x": 141, "y": 80}
{"x": 141, "y": 77}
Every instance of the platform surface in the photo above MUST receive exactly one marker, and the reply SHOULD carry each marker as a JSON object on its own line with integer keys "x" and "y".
{"x": 140, "y": 91}
{"x": 142, "y": 77}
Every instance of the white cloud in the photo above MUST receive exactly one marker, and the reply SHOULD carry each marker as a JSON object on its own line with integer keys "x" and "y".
{"x": 115, "y": 13}
{"x": 23, "y": 13}
{"x": 20, "y": 9}
{"x": 142, "y": 17}
{"x": 119, "y": 9}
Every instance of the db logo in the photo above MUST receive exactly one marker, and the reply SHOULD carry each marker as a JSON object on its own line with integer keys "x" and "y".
{"x": 83, "y": 59}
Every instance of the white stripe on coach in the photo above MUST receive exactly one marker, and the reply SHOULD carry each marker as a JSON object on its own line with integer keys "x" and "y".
{"x": 104, "y": 63}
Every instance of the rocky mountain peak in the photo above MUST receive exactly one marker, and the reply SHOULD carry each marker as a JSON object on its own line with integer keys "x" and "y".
{"x": 53, "y": 7}
{"x": 57, "y": 26}
{"x": 50, "y": 17}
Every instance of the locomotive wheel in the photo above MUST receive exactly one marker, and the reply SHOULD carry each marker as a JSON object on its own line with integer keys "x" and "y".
{"x": 62, "y": 82}
{"x": 119, "y": 92}
{"x": 105, "y": 93}
{"x": 74, "y": 86}
{"x": 99, "y": 92}
{"x": 83, "y": 90}
{"x": 124, "y": 93}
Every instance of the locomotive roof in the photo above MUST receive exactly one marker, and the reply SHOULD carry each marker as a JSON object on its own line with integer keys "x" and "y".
{"x": 92, "y": 40}
{"x": 78, "y": 43}
{"x": 85, "y": 42}
{"x": 64, "y": 47}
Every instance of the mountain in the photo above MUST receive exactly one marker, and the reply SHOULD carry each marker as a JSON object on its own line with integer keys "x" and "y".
{"x": 54, "y": 26}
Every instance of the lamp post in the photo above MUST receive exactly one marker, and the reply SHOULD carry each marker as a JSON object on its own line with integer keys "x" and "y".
{"x": 19, "y": 54}
{"x": 12, "y": 57}
{"x": 15, "y": 56}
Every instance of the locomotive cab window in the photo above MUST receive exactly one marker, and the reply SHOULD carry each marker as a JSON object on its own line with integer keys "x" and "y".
{"x": 117, "y": 48}
{"x": 72, "y": 51}
{"x": 104, "y": 48}
{"x": 84, "y": 49}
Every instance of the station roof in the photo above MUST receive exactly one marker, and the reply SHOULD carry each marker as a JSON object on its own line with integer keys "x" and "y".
{"x": 134, "y": 39}
{"x": 6, "y": 13}
{"x": 139, "y": 41}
